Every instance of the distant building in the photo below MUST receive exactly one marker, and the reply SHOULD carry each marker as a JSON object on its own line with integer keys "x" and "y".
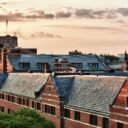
{"x": 8, "y": 41}
{"x": 121, "y": 57}
{"x": 50, "y": 63}
{"x": 124, "y": 60}
{"x": 68, "y": 101}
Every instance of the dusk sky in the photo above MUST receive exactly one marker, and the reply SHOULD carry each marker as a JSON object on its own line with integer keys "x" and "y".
{"x": 59, "y": 26}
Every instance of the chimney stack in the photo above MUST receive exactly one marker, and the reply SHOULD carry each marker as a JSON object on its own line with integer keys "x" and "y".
{"x": 45, "y": 68}
{"x": 3, "y": 59}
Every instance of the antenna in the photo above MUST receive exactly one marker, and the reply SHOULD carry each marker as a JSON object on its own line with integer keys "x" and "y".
{"x": 7, "y": 26}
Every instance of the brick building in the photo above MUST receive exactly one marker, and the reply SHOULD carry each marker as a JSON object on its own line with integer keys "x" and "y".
{"x": 8, "y": 41}
{"x": 68, "y": 101}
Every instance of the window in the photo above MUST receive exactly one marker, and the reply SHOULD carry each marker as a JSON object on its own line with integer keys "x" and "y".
{"x": 13, "y": 99}
{"x": 23, "y": 101}
{"x": 27, "y": 102}
{"x": 127, "y": 102}
{"x": 93, "y": 119}
{"x": 105, "y": 123}
{"x": 93, "y": 65}
{"x": 77, "y": 65}
{"x": 77, "y": 115}
{"x": 52, "y": 110}
{"x": 46, "y": 109}
{"x": 2, "y": 96}
{"x": 67, "y": 113}
{"x": 1, "y": 108}
{"x": 40, "y": 65}
{"x": 19, "y": 101}
{"x": 24, "y": 65}
{"x": 9, "y": 111}
{"x": 33, "y": 104}
{"x": 38, "y": 106}
{"x": 8, "y": 98}
{"x": 120, "y": 125}
{"x": 49, "y": 90}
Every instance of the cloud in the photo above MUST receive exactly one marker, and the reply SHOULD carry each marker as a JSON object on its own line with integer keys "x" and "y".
{"x": 63, "y": 14}
{"x": 44, "y": 35}
{"x": 34, "y": 35}
{"x": 22, "y": 16}
{"x": 87, "y": 13}
{"x": 123, "y": 11}
{"x": 49, "y": 16}
{"x": 96, "y": 14}
{"x": 100, "y": 28}
{"x": 4, "y": 3}
{"x": 12, "y": 17}
{"x": 35, "y": 14}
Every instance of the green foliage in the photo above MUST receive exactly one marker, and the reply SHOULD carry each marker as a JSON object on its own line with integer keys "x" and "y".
{"x": 105, "y": 57}
{"x": 24, "y": 118}
{"x": 76, "y": 52}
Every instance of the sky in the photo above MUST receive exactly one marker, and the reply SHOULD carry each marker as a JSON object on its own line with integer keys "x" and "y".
{"x": 60, "y": 26}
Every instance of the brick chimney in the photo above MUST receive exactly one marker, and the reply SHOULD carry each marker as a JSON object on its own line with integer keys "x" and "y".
{"x": 45, "y": 68}
{"x": 3, "y": 60}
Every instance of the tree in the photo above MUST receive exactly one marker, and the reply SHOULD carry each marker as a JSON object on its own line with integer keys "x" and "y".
{"x": 109, "y": 58}
{"x": 24, "y": 118}
{"x": 75, "y": 52}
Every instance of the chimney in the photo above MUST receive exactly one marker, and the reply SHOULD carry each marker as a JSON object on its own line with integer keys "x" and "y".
{"x": 3, "y": 59}
{"x": 45, "y": 68}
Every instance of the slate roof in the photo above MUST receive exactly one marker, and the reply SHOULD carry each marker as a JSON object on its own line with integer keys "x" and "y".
{"x": 86, "y": 93}
{"x": 43, "y": 58}
{"x": 94, "y": 94}
{"x": 24, "y": 84}
{"x": 63, "y": 85}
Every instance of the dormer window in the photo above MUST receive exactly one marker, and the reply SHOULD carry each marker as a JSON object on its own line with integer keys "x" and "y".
{"x": 77, "y": 65}
{"x": 93, "y": 65}
{"x": 24, "y": 65}
{"x": 40, "y": 65}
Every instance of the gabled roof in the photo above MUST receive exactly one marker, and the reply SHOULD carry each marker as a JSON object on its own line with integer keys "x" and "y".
{"x": 63, "y": 85}
{"x": 86, "y": 93}
{"x": 24, "y": 84}
{"x": 94, "y": 94}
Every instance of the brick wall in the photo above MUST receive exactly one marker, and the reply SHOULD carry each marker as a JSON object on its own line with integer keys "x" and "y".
{"x": 84, "y": 120}
{"x": 5, "y": 65}
{"x": 51, "y": 98}
{"x": 119, "y": 110}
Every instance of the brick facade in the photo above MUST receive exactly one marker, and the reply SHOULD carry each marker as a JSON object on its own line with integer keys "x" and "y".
{"x": 52, "y": 107}
{"x": 119, "y": 111}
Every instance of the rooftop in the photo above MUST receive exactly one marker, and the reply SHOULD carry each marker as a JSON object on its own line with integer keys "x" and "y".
{"x": 23, "y": 84}
{"x": 87, "y": 93}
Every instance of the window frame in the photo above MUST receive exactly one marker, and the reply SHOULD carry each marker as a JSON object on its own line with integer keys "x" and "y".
{"x": 38, "y": 106}
{"x": 77, "y": 115}
{"x": 52, "y": 110}
{"x": 93, "y": 120}
{"x": 67, "y": 113}
{"x": 120, "y": 125}
{"x": 104, "y": 121}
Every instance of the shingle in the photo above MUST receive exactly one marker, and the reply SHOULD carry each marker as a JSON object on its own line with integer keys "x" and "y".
{"x": 63, "y": 85}
{"x": 94, "y": 93}
{"x": 24, "y": 84}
